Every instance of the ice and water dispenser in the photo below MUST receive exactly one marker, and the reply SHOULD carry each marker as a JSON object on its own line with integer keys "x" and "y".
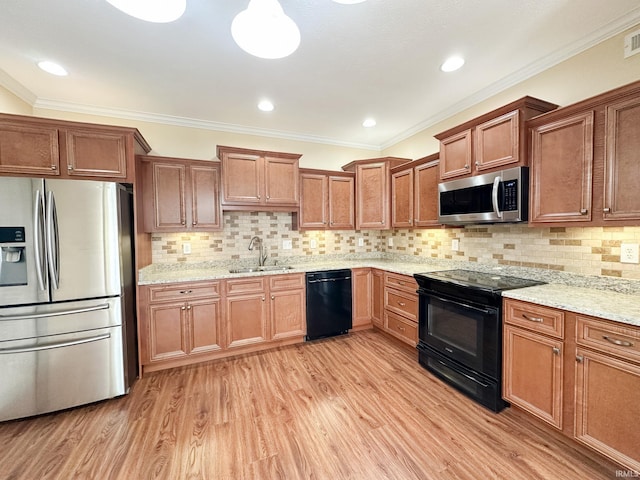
{"x": 13, "y": 262}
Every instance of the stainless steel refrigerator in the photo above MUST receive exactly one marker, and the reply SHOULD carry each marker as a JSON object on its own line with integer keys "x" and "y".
{"x": 67, "y": 301}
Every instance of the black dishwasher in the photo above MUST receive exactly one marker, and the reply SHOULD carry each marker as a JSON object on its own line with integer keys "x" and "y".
{"x": 328, "y": 303}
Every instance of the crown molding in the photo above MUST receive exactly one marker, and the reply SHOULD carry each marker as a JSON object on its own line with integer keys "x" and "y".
{"x": 15, "y": 87}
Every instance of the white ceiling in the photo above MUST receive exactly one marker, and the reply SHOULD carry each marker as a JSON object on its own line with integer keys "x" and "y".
{"x": 380, "y": 58}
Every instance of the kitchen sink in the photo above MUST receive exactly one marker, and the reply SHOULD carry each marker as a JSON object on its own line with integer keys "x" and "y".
{"x": 270, "y": 268}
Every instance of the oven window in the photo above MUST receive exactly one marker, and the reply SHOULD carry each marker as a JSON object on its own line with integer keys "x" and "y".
{"x": 455, "y": 326}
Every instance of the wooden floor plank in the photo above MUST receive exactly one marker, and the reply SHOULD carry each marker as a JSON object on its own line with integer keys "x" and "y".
{"x": 351, "y": 407}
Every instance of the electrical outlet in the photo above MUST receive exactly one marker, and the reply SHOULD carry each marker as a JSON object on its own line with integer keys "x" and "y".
{"x": 361, "y": 242}
{"x": 455, "y": 244}
{"x": 287, "y": 244}
{"x": 186, "y": 248}
{"x": 629, "y": 253}
{"x": 390, "y": 241}
{"x": 313, "y": 243}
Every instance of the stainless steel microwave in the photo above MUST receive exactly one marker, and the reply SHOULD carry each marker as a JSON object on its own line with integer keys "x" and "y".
{"x": 496, "y": 197}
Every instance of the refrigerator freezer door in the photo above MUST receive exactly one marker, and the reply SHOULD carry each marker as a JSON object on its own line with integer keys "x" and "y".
{"x": 22, "y": 207}
{"x": 83, "y": 239}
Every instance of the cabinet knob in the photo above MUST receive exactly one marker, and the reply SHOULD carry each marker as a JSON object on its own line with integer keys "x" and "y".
{"x": 258, "y": 197}
{"x": 466, "y": 167}
{"x": 556, "y": 351}
{"x": 264, "y": 298}
{"x": 54, "y": 167}
{"x": 182, "y": 222}
{"x": 584, "y": 211}
{"x": 188, "y": 307}
{"x": 606, "y": 210}
{"x": 273, "y": 297}
{"x": 70, "y": 167}
{"x": 268, "y": 197}
{"x": 579, "y": 358}
{"x": 194, "y": 223}
{"x": 183, "y": 308}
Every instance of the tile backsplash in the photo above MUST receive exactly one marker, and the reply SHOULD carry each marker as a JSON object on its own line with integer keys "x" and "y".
{"x": 583, "y": 250}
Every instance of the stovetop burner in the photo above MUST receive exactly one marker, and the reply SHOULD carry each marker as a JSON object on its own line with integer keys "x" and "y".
{"x": 479, "y": 280}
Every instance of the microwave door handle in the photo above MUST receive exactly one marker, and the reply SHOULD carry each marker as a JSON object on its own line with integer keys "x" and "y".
{"x": 494, "y": 197}
{"x": 53, "y": 251}
{"x": 38, "y": 236}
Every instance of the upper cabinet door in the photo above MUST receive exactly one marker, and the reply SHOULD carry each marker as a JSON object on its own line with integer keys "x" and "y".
{"x": 561, "y": 170}
{"x": 169, "y": 197}
{"x": 622, "y": 161}
{"x": 313, "y": 200}
{"x": 402, "y": 198}
{"x": 372, "y": 194}
{"x": 425, "y": 204}
{"x": 498, "y": 142}
{"x": 455, "y": 155}
{"x": 281, "y": 181}
{"x": 242, "y": 177}
{"x": 341, "y": 202}
{"x": 92, "y": 153}
{"x": 206, "y": 212}
{"x": 29, "y": 150}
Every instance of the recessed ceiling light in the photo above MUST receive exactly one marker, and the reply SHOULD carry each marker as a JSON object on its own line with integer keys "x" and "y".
{"x": 265, "y": 106}
{"x": 348, "y": 2}
{"x": 53, "y": 68}
{"x": 369, "y": 122}
{"x": 157, "y": 11}
{"x": 452, "y": 63}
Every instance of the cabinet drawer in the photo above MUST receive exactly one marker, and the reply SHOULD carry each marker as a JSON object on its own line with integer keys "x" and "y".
{"x": 401, "y": 328}
{"x": 401, "y": 282}
{"x": 617, "y": 339}
{"x": 401, "y": 303}
{"x": 245, "y": 285}
{"x": 183, "y": 291}
{"x": 535, "y": 317}
{"x": 286, "y": 282}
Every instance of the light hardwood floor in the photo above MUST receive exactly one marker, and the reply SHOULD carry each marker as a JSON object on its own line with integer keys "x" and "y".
{"x": 357, "y": 406}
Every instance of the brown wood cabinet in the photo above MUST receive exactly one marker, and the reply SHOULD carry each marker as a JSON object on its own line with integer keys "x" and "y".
{"x": 265, "y": 309}
{"x": 578, "y": 373}
{"x": 259, "y": 180}
{"x": 584, "y": 162}
{"x": 373, "y": 191}
{"x": 414, "y": 193}
{"x": 326, "y": 200}
{"x": 180, "y": 195}
{"x": 361, "y": 279}
{"x": 377, "y": 297}
{"x": 44, "y": 147}
{"x": 492, "y": 141}
{"x": 179, "y": 321}
{"x": 401, "y": 307}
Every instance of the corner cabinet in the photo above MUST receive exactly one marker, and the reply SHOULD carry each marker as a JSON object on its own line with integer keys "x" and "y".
{"x": 373, "y": 191}
{"x": 44, "y": 147}
{"x": 579, "y": 374}
{"x": 414, "y": 193}
{"x": 180, "y": 195}
{"x": 495, "y": 140}
{"x": 584, "y": 162}
{"x": 259, "y": 180}
{"x": 326, "y": 200}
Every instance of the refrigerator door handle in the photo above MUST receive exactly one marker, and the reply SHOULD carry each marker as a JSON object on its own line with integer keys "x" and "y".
{"x": 48, "y": 346}
{"x": 53, "y": 249}
{"x": 38, "y": 237}
{"x": 30, "y": 316}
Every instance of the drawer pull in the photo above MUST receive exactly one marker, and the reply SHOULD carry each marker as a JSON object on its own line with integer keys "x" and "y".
{"x": 615, "y": 341}
{"x": 402, "y": 304}
{"x": 533, "y": 319}
{"x": 183, "y": 292}
{"x": 400, "y": 328}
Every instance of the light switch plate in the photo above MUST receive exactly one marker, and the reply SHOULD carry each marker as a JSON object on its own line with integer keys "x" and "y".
{"x": 629, "y": 253}
{"x": 390, "y": 242}
{"x": 361, "y": 242}
{"x": 287, "y": 244}
{"x": 186, "y": 248}
{"x": 455, "y": 244}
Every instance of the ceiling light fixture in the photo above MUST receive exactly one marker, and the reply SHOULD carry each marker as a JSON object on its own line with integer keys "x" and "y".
{"x": 369, "y": 122}
{"x": 348, "y": 2}
{"x": 265, "y": 106}
{"x": 452, "y": 64}
{"x": 263, "y": 30}
{"x": 157, "y": 11}
{"x": 52, "y": 68}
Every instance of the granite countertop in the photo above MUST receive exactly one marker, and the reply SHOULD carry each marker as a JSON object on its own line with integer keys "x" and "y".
{"x": 604, "y": 297}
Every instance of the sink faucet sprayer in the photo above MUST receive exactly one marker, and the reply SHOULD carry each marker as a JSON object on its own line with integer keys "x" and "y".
{"x": 263, "y": 254}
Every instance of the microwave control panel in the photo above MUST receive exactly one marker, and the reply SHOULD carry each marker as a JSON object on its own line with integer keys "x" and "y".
{"x": 510, "y": 195}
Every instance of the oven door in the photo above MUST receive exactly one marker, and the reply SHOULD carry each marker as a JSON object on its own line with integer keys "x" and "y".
{"x": 464, "y": 332}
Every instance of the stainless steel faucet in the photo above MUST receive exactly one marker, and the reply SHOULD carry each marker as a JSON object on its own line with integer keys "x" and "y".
{"x": 263, "y": 253}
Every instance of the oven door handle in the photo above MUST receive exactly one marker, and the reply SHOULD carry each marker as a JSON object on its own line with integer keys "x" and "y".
{"x": 486, "y": 311}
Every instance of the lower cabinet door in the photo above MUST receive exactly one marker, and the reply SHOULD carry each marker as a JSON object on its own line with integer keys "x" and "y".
{"x": 204, "y": 326}
{"x": 246, "y": 320}
{"x": 287, "y": 314}
{"x": 607, "y": 407}
{"x": 532, "y": 377}
{"x": 166, "y": 332}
